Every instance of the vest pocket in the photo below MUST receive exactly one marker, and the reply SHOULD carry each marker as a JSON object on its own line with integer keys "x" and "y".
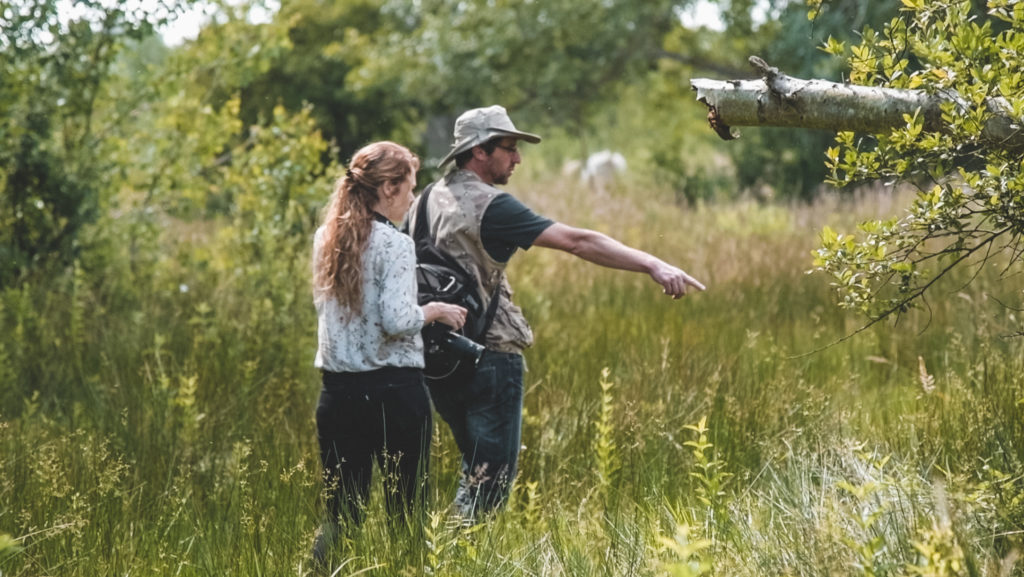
{"x": 510, "y": 333}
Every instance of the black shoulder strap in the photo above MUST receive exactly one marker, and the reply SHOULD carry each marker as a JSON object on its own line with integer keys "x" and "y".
{"x": 492, "y": 308}
{"x": 420, "y": 233}
{"x": 422, "y": 226}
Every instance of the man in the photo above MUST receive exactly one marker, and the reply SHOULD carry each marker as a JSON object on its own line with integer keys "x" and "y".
{"x": 482, "y": 227}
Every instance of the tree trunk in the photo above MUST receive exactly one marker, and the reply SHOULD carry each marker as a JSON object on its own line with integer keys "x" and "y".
{"x": 780, "y": 100}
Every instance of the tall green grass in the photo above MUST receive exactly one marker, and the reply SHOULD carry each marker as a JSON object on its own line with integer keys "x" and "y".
{"x": 160, "y": 421}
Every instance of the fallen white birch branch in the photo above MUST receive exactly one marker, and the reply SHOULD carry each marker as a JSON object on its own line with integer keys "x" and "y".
{"x": 781, "y": 100}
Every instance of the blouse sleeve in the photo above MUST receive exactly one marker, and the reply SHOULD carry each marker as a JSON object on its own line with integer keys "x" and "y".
{"x": 401, "y": 314}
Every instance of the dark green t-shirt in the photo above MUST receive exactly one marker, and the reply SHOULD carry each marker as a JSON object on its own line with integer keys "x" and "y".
{"x": 508, "y": 225}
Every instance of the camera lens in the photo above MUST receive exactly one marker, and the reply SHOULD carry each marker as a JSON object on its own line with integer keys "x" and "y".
{"x": 464, "y": 346}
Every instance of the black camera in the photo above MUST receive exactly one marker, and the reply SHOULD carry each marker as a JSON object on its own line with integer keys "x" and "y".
{"x": 462, "y": 346}
{"x": 444, "y": 350}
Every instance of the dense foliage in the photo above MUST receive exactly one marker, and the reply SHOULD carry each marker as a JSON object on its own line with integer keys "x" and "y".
{"x": 52, "y": 159}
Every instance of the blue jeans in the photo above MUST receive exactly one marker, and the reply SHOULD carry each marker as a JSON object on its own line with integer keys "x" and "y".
{"x": 484, "y": 413}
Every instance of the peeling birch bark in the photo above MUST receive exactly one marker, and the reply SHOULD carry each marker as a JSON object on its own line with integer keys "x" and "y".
{"x": 780, "y": 100}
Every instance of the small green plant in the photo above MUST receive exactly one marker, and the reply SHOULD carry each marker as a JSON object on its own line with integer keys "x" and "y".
{"x": 685, "y": 554}
{"x": 528, "y": 494}
{"x": 448, "y": 540}
{"x": 604, "y": 440}
{"x": 939, "y": 552}
{"x": 869, "y": 508}
{"x": 868, "y": 548}
{"x": 710, "y": 474}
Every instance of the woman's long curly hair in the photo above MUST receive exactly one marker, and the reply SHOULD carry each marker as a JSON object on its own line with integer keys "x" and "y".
{"x": 348, "y": 220}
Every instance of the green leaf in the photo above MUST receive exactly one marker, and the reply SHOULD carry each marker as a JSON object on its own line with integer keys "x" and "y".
{"x": 828, "y": 236}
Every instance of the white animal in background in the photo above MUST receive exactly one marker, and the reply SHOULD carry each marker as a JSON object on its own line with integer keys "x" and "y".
{"x": 602, "y": 169}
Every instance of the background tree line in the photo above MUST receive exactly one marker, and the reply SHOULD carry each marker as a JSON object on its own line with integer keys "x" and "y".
{"x": 98, "y": 117}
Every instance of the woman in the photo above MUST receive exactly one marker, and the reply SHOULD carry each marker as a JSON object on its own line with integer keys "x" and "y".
{"x": 373, "y": 405}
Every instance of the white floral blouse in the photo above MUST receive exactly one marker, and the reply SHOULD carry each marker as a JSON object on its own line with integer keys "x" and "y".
{"x": 387, "y": 333}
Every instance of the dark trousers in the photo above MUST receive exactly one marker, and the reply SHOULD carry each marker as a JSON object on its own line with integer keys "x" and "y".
{"x": 380, "y": 416}
{"x": 484, "y": 412}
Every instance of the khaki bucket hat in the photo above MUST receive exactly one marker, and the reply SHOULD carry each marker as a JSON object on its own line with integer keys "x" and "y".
{"x": 477, "y": 126}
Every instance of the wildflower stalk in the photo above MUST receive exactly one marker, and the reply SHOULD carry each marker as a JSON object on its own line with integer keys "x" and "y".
{"x": 709, "y": 472}
{"x": 604, "y": 441}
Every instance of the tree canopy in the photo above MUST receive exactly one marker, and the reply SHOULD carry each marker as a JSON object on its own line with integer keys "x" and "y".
{"x": 375, "y": 68}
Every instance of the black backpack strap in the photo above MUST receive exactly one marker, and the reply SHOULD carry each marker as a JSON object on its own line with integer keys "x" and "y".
{"x": 420, "y": 229}
{"x": 492, "y": 308}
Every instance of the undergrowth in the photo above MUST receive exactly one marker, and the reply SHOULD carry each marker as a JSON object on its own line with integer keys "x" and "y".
{"x": 160, "y": 422}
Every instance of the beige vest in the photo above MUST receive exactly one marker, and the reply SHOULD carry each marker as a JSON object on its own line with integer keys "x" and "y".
{"x": 456, "y": 209}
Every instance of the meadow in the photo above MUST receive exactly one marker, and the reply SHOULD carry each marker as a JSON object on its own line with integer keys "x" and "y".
{"x": 158, "y": 419}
